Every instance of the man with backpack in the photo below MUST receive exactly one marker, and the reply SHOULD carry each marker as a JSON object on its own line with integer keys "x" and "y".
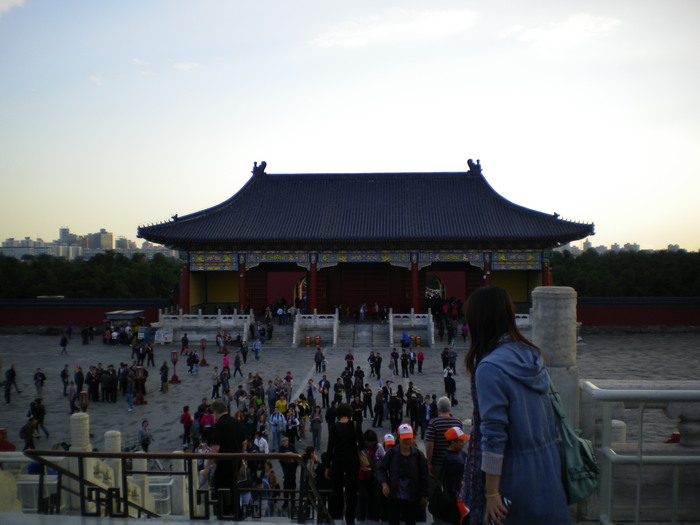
{"x": 37, "y": 412}
{"x": 27, "y": 434}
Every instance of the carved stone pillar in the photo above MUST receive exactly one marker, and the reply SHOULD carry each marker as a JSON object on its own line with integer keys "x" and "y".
{"x": 553, "y": 319}
{"x": 113, "y": 443}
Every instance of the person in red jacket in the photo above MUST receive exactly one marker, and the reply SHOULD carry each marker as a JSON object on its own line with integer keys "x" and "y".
{"x": 186, "y": 420}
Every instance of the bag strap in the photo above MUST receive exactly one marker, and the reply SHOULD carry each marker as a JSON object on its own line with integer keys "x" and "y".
{"x": 566, "y": 431}
{"x": 555, "y": 399}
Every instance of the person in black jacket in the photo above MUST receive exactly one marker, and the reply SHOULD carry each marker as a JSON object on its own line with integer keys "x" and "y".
{"x": 331, "y": 415}
{"x": 345, "y": 440}
{"x": 289, "y": 470}
{"x": 227, "y": 435}
{"x": 403, "y": 476}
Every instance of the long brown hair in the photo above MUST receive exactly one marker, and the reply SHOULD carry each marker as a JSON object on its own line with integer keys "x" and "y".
{"x": 489, "y": 314}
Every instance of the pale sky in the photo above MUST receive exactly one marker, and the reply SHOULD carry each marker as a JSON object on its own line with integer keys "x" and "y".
{"x": 120, "y": 113}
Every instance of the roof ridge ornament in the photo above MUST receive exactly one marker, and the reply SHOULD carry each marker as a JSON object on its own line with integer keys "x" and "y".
{"x": 474, "y": 168}
{"x": 259, "y": 170}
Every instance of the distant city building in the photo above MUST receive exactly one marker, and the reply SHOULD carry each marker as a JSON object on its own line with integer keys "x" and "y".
{"x": 568, "y": 247}
{"x": 72, "y": 246}
{"x": 102, "y": 240}
{"x": 122, "y": 243}
{"x": 630, "y": 247}
{"x": 63, "y": 234}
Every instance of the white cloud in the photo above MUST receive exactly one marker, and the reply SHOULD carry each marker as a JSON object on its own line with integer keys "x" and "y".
{"x": 396, "y": 27}
{"x": 97, "y": 80}
{"x": 143, "y": 67}
{"x": 570, "y": 32}
{"x": 187, "y": 67}
{"x": 6, "y": 5}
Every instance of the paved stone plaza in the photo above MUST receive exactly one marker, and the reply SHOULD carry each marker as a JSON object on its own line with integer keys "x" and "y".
{"x": 610, "y": 356}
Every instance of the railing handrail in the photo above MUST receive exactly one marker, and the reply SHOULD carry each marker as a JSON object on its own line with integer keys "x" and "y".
{"x": 165, "y": 455}
{"x": 608, "y": 395}
{"x": 609, "y": 457}
{"x": 635, "y": 459}
{"x": 311, "y": 496}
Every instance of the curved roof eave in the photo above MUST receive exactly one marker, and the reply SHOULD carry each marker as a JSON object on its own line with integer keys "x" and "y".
{"x": 401, "y": 207}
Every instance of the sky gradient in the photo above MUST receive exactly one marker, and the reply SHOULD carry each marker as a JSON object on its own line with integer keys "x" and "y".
{"x": 115, "y": 114}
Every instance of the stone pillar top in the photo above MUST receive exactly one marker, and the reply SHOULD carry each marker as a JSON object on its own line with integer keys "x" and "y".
{"x": 554, "y": 291}
{"x": 553, "y": 320}
{"x": 80, "y": 432}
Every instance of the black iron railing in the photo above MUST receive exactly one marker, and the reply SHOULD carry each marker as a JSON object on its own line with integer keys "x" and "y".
{"x": 302, "y": 505}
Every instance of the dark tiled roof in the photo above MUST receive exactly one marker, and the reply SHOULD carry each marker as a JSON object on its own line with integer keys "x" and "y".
{"x": 372, "y": 208}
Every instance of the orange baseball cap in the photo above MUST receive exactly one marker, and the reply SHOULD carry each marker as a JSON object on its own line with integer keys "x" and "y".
{"x": 455, "y": 433}
{"x": 405, "y": 431}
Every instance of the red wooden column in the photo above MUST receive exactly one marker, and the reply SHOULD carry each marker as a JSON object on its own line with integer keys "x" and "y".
{"x": 184, "y": 292}
{"x": 487, "y": 273}
{"x": 547, "y": 277}
{"x": 414, "y": 284}
{"x": 241, "y": 287}
{"x": 312, "y": 284}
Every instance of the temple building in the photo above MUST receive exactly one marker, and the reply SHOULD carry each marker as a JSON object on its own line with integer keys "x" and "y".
{"x": 341, "y": 240}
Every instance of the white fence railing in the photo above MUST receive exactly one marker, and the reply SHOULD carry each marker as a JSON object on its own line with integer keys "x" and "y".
{"x": 204, "y": 322}
{"x": 306, "y": 324}
{"x": 678, "y": 403}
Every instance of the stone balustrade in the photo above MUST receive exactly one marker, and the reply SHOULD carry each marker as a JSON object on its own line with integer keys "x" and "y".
{"x": 411, "y": 320}
{"x": 203, "y": 322}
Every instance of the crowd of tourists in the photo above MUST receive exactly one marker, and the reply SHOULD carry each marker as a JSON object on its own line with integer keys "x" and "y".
{"x": 372, "y": 466}
{"x": 510, "y": 473}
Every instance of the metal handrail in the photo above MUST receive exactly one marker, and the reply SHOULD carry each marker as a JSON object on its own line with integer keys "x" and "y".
{"x": 116, "y": 504}
{"x": 610, "y": 457}
{"x": 622, "y": 395}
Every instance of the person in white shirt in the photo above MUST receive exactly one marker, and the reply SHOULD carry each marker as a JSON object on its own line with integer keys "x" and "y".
{"x": 261, "y": 443}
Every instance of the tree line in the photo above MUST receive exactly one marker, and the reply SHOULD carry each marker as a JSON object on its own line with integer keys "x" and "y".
{"x": 629, "y": 274}
{"x": 106, "y": 275}
{"x": 113, "y": 275}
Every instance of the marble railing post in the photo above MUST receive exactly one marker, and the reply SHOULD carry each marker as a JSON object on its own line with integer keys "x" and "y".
{"x": 180, "y": 501}
{"x": 80, "y": 441}
{"x": 140, "y": 495}
{"x": 553, "y": 319}
{"x": 113, "y": 443}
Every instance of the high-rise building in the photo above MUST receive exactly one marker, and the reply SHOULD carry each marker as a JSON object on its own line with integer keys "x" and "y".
{"x": 63, "y": 234}
{"x": 106, "y": 240}
{"x": 70, "y": 246}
